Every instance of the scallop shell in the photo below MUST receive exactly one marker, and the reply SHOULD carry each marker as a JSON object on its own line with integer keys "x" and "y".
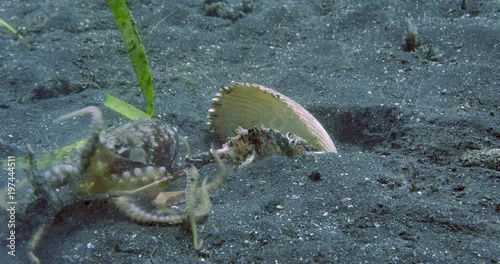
{"x": 251, "y": 105}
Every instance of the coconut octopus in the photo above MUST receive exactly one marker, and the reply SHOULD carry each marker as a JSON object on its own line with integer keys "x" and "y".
{"x": 134, "y": 164}
{"x": 131, "y": 167}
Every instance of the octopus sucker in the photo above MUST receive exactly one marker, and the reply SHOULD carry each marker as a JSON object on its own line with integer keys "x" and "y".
{"x": 132, "y": 208}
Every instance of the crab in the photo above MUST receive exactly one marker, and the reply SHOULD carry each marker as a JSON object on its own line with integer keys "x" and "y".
{"x": 131, "y": 167}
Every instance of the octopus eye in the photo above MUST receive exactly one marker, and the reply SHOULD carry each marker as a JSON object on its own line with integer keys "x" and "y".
{"x": 138, "y": 154}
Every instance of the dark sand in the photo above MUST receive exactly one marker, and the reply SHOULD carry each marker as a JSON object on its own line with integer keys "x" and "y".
{"x": 397, "y": 192}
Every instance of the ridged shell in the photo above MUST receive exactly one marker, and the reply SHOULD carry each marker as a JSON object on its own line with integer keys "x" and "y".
{"x": 251, "y": 105}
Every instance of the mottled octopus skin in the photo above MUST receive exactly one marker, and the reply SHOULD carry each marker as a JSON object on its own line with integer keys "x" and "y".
{"x": 157, "y": 139}
{"x": 112, "y": 169}
{"x": 105, "y": 166}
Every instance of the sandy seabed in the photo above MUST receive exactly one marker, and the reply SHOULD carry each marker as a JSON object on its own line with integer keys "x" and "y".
{"x": 397, "y": 191}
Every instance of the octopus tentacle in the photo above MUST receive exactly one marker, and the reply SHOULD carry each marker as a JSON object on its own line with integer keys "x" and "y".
{"x": 33, "y": 244}
{"x": 140, "y": 204}
{"x": 205, "y": 204}
{"x": 133, "y": 208}
{"x": 191, "y": 186}
{"x": 141, "y": 210}
{"x": 95, "y": 111}
{"x": 84, "y": 160}
{"x": 221, "y": 175}
{"x": 194, "y": 213}
{"x": 131, "y": 167}
{"x": 96, "y": 124}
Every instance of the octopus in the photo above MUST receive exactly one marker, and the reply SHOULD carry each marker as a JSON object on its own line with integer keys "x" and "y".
{"x": 134, "y": 164}
{"x": 131, "y": 167}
